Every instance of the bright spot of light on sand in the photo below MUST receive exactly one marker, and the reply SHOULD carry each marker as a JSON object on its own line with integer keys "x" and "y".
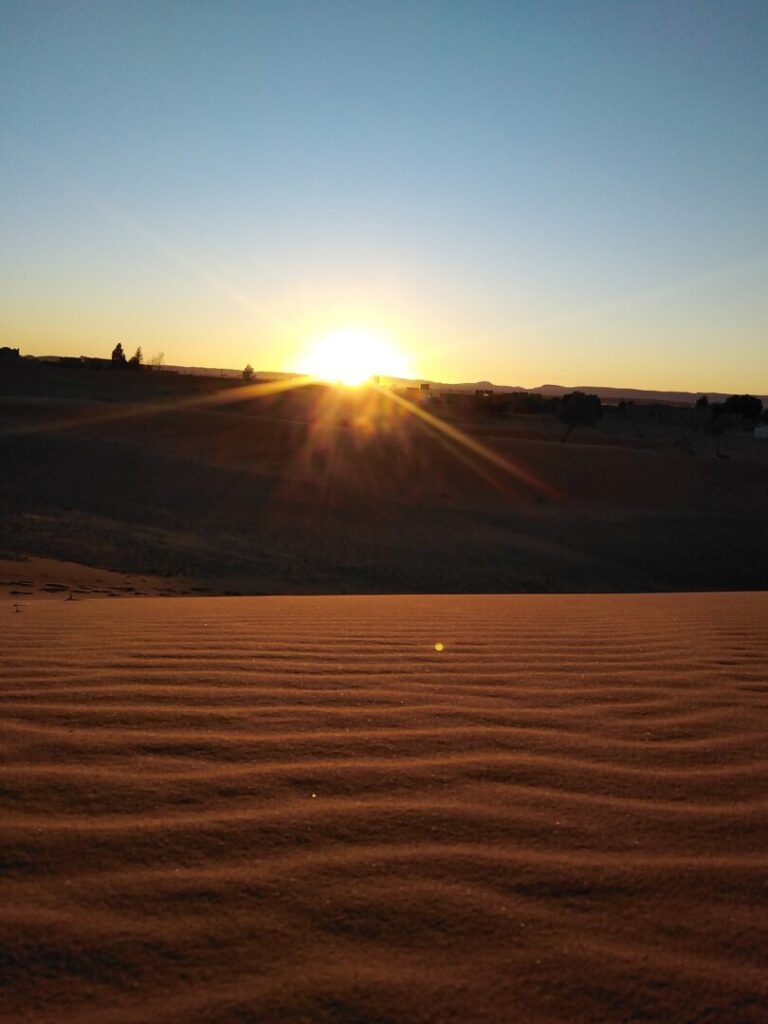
{"x": 439, "y": 646}
{"x": 353, "y": 355}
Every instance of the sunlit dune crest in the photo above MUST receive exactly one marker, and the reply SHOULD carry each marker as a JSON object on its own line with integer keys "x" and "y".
{"x": 352, "y": 356}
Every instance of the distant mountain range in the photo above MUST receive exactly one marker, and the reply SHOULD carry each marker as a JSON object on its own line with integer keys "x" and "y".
{"x": 608, "y": 394}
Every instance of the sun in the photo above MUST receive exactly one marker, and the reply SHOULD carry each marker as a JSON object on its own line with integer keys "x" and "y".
{"x": 352, "y": 356}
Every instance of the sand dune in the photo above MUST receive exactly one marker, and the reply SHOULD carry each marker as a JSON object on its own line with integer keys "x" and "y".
{"x": 315, "y": 495}
{"x": 22, "y": 579}
{"x": 298, "y": 809}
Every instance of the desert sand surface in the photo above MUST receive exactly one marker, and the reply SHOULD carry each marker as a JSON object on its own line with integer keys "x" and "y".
{"x": 302, "y": 809}
{"x": 22, "y": 579}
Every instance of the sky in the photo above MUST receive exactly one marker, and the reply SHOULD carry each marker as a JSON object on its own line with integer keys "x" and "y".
{"x": 522, "y": 192}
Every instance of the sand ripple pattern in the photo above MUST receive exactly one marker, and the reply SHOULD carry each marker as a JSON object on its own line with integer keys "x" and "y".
{"x": 300, "y": 810}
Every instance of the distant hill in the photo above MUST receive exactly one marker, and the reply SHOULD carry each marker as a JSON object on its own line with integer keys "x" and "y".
{"x": 606, "y": 393}
{"x": 636, "y": 394}
{"x": 550, "y": 390}
{"x": 203, "y": 371}
{"x": 609, "y": 394}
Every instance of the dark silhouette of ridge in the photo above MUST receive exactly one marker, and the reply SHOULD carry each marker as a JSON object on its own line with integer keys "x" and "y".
{"x": 606, "y": 393}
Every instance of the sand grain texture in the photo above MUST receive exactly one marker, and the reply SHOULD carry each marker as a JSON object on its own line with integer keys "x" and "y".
{"x": 297, "y": 809}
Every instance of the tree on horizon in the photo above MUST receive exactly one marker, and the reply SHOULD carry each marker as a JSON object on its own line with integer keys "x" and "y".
{"x": 749, "y": 407}
{"x": 118, "y": 357}
{"x": 737, "y": 412}
{"x": 578, "y": 409}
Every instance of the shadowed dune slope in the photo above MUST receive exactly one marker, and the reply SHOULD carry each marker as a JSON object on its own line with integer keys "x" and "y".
{"x": 232, "y": 501}
{"x": 298, "y": 809}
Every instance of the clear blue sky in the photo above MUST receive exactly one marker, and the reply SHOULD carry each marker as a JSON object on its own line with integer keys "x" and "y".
{"x": 526, "y": 192}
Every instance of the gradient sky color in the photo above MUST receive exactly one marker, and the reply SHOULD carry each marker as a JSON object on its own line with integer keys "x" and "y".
{"x": 523, "y": 192}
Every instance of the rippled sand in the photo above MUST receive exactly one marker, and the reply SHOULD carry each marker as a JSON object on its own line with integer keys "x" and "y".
{"x": 298, "y": 809}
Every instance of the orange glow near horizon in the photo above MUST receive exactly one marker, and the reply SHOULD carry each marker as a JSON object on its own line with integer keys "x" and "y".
{"x": 354, "y": 355}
